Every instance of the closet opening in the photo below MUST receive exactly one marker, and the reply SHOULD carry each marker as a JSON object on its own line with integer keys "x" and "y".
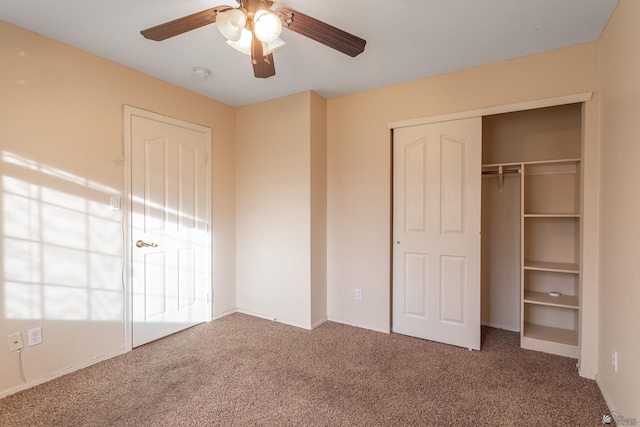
{"x": 531, "y": 243}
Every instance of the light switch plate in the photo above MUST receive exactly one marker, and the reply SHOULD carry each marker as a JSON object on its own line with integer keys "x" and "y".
{"x": 114, "y": 203}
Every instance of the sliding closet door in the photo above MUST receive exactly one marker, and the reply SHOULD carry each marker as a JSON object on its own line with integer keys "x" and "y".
{"x": 436, "y": 231}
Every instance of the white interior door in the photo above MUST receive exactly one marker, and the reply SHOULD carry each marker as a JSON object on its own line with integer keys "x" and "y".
{"x": 436, "y": 231}
{"x": 170, "y": 237}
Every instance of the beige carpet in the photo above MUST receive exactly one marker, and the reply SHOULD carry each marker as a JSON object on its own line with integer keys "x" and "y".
{"x": 241, "y": 370}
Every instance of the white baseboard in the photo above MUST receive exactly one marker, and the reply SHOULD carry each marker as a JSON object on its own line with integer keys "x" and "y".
{"x": 500, "y": 326}
{"x": 318, "y": 323}
{"x": 54, "y": 375}
{"x": 359, "y": 325}
{"x": 274, "y": 319}
{"x": 251, "y": 313}
{"x": 224, "y": 314}
{"x": 589, "y": 375}
{"x": 603, "y": 390}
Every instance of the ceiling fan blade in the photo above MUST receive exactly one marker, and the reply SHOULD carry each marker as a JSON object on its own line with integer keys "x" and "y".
{"x": 263, "y": 66}
{"x": 321, "y": 32}
{"x": 184, "y": 24}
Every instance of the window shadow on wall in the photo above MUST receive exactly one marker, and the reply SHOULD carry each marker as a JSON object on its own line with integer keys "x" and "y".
{"x": 61, "y": 246}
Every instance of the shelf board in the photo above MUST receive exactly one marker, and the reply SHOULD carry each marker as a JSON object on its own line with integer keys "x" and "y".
{"x": 495, "y": 165}
{"x": 552, "y": 215}
{"x": 570, "y": 161}
{"x": 542, "y": 298}
{"x": 558, "y": 267}
{"x": 546, "y": 333}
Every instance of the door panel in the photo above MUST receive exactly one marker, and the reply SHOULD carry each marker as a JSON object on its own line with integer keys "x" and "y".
{"x": 415, "y": 156}
{"x": 187, "y": 291}
{"x": 436, "y": 256}
{"x": 452, "y": 289}
{"x": 155, "y": 285}
{"x": 171, "y": 276}
{"x": 154, "y": 178}
{"x": 416, "y": 267}
{"x": 452, "y": 179}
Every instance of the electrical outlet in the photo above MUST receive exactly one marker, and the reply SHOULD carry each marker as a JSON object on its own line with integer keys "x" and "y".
{"x": 15, "y": 341}
{"x": 34, "y": 336}
{"x": 614, "y": 360}
{"x": 359, "y": 294}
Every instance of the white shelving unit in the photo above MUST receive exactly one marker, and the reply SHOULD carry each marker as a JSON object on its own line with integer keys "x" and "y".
{"x": 550, "y": 252}
{"x": 532, "y": 221}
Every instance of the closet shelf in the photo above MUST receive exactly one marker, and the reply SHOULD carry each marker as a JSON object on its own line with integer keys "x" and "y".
{"x": 546, "y": 333}
{"x": 505, "y": 165}
{"x": 542, "y": 298}
{"x": 569, "y": 161}
{"x": 552, "y": 215}
{"x": 558, "y": 267}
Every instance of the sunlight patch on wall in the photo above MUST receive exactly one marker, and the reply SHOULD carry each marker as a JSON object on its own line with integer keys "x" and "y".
{"x": 23, "y": 300}
{"x": 62, "y": 245}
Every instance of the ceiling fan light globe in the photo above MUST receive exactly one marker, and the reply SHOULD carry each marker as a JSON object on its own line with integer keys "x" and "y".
{"x": 230, "y": 23}
{"x": 243, "y": 44}
{"x": 272, "y": 46}
{"x": 266, "y": 26}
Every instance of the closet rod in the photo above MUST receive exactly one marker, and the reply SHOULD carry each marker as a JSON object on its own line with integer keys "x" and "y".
{"x": 504, "y": 171}
{"x": 501, "y": 172}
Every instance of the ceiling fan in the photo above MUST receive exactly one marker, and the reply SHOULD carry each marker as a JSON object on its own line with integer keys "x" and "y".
{"x": 254, "y": 29}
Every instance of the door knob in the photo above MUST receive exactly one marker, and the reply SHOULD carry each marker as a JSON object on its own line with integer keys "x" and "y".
{"x": 142, "y": 244}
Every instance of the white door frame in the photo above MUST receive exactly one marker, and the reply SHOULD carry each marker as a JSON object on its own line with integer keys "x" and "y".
{"x": 510, "y": 108}
{"x": 127, "y": 268}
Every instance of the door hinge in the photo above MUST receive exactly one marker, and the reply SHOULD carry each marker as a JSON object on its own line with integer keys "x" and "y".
{"x": 206, "y": 157}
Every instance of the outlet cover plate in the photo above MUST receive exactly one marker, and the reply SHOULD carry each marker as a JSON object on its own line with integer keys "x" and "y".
{"x": 15, "y": 341}
{"x": 34, "y": 336}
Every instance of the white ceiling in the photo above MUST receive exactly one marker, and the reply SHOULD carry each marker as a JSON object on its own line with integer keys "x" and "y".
{"x": 406, "y": 40}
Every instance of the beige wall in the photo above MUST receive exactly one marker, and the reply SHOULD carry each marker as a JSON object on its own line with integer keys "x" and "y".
{"x": 620, "y": 204}
{"x": 318, "y": 209}
{"x": 359, "y": 167}
{"x": 61, "y": 151}
{"x": 61, "y": 148}
{"x": 279, "y": 194}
